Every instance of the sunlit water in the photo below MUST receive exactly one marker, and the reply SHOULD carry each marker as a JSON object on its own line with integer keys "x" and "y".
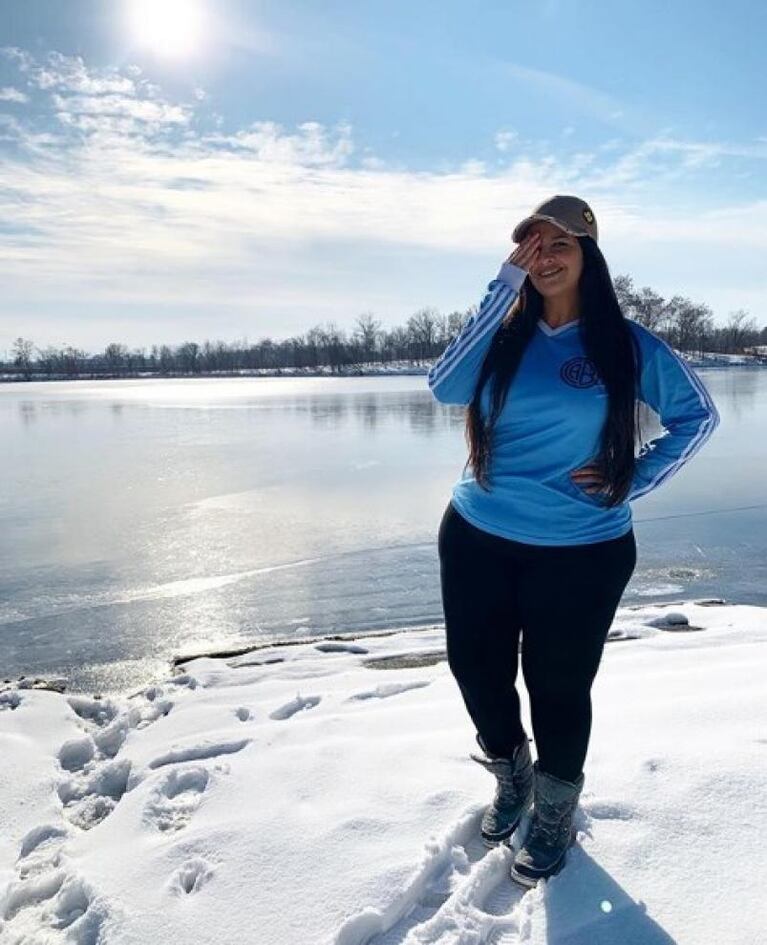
{"x": 145, "y": 519}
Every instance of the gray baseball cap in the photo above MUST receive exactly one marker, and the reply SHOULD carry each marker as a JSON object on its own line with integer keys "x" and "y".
{"x": 571, "y": 214}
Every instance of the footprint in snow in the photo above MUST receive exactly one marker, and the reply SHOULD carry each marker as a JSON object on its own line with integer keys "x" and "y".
{"x": 47, "y": 856}
{"x": 190, "y": 876}
{"x": 199, "y": 752}
{"x": 653, "y": 764}
{"x": 95, "y": 782}
{"x": 609, "y": 810}
{"x": 299, "y": 704}
{"x": 97, "y": 711}
{"x": 388, "y": 689}
{"x": 31, "y": 892}
{"x": 39, "y": 836}
{"x": 38, "y": 907}
{"x": 109, "y": 726}
{"x": 460, "y": 892}
{"x": 10, "y": 700}
{"x": 141, "y": 717}
{"x": 91, "y": 794}
{"x": 175, "y": 799}
{"x": 72, "y": 905}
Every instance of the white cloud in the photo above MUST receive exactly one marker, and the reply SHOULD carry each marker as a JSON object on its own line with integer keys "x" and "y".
{"x": 70, "y": 74}
{"x": 265, "y": 142}
{"x": 129, "y": 202}
{"x": 10, "y": 94}
{"x": 121, "y": 106}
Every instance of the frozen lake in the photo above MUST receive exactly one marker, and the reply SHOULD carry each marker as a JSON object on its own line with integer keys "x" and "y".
{"x": 144, "y": 519}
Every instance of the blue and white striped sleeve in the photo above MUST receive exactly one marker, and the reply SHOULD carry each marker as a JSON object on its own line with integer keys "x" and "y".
{"x": 454, "y": 376}
{"x": 676, "y": 393}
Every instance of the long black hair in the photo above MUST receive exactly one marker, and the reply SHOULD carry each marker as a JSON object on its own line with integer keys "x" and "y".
{"x": 610, "y": 345}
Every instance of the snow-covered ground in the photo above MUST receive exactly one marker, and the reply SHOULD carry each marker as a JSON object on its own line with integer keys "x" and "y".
{"x": 715, "y": 359}
{"x": 323, "y": 794}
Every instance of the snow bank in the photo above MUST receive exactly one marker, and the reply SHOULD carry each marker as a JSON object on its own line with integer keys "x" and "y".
{"x": 322, "y": 794}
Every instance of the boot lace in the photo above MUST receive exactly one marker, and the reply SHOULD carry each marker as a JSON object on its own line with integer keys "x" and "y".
{"x": 510, "y": 783}
{"x": 509, "y": 788}
{"x": 548, "y": 823}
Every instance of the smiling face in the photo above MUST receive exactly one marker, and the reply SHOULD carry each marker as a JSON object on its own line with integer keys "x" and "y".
{"x": 559, "y": 264}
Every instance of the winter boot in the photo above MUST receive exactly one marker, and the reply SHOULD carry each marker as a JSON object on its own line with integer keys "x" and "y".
{"x": 551, "y": 828}
{"x": 513, "y": 794}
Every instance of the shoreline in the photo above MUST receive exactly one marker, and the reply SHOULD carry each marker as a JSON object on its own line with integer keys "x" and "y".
{"x": 406, "y": 370}
{"x": 334, "y": 641}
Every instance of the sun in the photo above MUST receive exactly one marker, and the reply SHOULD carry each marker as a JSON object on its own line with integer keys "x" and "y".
{"x": 172, "y": 28}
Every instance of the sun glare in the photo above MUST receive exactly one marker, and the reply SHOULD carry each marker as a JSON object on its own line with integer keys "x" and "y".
{"x": 168, "y": 27}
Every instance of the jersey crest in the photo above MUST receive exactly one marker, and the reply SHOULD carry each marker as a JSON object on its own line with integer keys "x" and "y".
{"x": 580, "y": 372}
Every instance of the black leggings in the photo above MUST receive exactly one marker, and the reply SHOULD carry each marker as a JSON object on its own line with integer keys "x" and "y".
{"x": 561, "y": 600}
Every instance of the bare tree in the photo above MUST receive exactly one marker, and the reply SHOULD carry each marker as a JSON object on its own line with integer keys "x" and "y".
{"x": 334, "y": 342}
{"x": 642, "y": 305}
{"x": 366, "y": 333}
{"x": 189, "y": 357}
{"x": 47, "y": 359}
{"x": 396, "y": 344}
{"x": 687, "y": 323}
{"x": 456, "y": 321}
{"x": 71, "y": 360}
{"x": 22, "y": 356}
{"x": 314, "y": 346}
{"x": 116, "y": 356}
{"x": 737, "y": 329}
{"x": 422, "y": 328}
{"x": 624, "y": 290}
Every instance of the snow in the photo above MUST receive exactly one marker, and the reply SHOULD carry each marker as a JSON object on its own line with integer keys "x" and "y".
{"x": 719, "y": 359}
{"x": 323, "y": 794}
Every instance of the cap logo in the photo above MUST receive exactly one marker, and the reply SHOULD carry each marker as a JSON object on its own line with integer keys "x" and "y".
{"x": 588, "y": 216}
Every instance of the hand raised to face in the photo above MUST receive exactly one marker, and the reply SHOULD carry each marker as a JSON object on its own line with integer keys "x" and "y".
{"x": 526, "y": 254}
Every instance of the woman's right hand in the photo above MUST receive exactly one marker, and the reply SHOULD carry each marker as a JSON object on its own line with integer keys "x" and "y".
{"x": 526, "y": 253}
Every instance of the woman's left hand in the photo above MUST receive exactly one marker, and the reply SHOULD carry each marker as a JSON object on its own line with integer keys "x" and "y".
{"x": 589, "y": 479}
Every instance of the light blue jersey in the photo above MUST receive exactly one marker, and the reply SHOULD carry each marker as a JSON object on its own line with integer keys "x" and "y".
{"x": 551, "y": 424}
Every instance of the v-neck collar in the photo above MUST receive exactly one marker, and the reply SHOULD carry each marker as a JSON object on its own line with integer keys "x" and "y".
{"x": 553, "y": 332}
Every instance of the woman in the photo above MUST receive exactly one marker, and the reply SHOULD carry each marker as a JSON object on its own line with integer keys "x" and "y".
{"x": 537, "y": 542}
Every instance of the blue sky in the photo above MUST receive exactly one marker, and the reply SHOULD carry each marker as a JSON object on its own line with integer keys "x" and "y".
{"x": 294, "y": 163}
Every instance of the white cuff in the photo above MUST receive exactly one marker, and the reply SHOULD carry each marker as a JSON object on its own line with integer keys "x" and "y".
{"x": 512, "y": 275}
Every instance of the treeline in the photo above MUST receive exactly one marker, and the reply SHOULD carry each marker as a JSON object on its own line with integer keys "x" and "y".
{"x": 686, "y": 325}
